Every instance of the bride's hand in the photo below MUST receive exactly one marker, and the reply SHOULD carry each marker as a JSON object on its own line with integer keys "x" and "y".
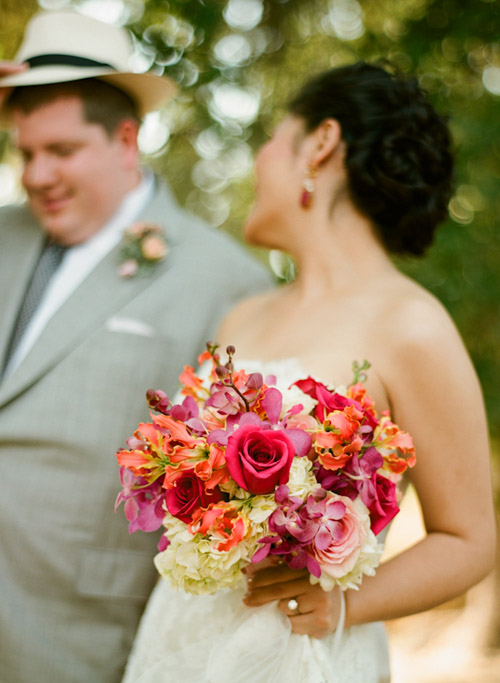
{"x": 317, "y": 612}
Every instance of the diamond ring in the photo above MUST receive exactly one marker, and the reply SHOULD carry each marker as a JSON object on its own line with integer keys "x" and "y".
{"x": 293, "y": 606}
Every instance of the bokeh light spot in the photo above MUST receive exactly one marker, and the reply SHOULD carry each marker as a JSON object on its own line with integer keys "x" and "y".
{"x": 243, "y": 14}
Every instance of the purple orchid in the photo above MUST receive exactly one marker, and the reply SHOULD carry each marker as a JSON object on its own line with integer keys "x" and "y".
{"x": 225, "y": 400}
{"x": 143, "y": 502}
{"x": 361, "y": 471}
{"x": 158, "y": 400}
{"x": 292, "y": 533}
{"x": 327, "y": 515}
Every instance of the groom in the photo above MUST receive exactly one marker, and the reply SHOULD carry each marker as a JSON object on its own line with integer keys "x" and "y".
{"x": 80, "y": 344}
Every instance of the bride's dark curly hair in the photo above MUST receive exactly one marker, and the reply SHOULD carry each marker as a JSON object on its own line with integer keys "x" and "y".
{"x": 399, "y": 159}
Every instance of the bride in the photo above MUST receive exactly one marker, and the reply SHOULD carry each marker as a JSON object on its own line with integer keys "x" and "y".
{"x": 359, "y": 168}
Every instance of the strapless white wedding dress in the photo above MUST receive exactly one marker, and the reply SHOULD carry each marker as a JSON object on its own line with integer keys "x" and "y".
{"x": 187, "y": 638}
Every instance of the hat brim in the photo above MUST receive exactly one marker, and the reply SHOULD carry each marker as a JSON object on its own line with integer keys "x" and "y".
{"x": 147, "y": 90}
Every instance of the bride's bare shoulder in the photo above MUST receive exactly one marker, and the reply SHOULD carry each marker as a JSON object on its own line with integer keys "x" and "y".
{"x": 417, "y": 316}
{"x": 419, "y": 337}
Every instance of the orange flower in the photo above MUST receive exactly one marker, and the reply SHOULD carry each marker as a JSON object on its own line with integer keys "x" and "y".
{"x": 168, "y": 448}
{"x": 148, "y": 461}
{"x": 182, "y": 458}
{"x": 240, "y": 378}
{"x": 343, "y": 423}
{"x": 137, "y": 461}
{"x": 206, "y": 355}
{"x": 177, "y": 430}
{"x": 232, "y": 530}
{"x": 336, "y": 445}
{"x": 141, "y": 463}
{"x": 358, "y": 393}
{"x": 175, "y": 472}
{"x": 222, "y": 521}
{"x": 214, "y": 470}
{"x": 193, "y": 385}
{"x": 402, "y": 453}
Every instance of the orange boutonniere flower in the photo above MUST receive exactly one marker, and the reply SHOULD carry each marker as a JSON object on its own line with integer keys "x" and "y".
{"x": 144, "y": 246}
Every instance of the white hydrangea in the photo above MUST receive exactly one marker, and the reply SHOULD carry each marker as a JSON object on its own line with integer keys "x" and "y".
{"x": 193, "y": 563}
{"x": 261, "y": 509}
{"x": 301, "y": 480}
{"x": 293, "y": 396}
{"x": 232, "y": 489}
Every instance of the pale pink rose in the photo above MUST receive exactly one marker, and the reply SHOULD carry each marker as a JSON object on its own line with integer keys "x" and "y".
{"x": 138, "y": 229}
{"x": 342, "y": 553}
{"x": 301, "y": 421}
{"x": 153, "y": 248}
{"x": 128, "y": 268}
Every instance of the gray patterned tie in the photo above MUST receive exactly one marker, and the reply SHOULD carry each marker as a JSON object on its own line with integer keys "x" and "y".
{"x": 47, "y": 264}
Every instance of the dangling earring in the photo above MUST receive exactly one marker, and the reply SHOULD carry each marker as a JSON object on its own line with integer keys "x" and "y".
{"x": 308, "y": 188}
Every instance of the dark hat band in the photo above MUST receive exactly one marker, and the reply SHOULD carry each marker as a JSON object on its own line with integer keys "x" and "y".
{"x": 65, "y": 60}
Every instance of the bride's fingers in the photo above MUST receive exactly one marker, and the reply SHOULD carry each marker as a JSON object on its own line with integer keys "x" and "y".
{"x": 296, "y": 606}
{"x": 265, "y": 575}
{"x": 278, "y": 590}
{"x": 313, "y": 625}
{"x": 309, "y": 602}
{"x": 254, "y": 567}
{"x": 313, "y": 614}
{"x": 311, "y": 610}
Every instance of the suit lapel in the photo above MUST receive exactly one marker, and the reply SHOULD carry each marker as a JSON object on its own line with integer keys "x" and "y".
{"x": 93, "y": 302}
{"x": 22, "y": 240}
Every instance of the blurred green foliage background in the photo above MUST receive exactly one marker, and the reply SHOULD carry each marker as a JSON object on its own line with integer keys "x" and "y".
{"x": 238, "y": 62}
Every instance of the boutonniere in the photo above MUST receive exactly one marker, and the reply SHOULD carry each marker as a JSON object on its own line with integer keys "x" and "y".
{"x": 144, "y": 246}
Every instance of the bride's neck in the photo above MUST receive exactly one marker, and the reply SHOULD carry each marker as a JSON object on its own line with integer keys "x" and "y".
{"x": 337, "y": 251}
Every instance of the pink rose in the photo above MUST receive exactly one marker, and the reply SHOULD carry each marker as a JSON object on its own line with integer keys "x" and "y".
{"x": 128, "y": 268}
{"x": 338, "y": 556}
{"x": 259, "y": 459}
{"x": 153, "y": 248}
{"x": 138, "y": 229}
{"x": 187, "y": 495}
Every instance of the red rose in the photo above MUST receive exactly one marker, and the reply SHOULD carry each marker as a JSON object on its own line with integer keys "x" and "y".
{"x": 188, "y": 495}
{"x": 328, "y": 401}
{"x": 259, "y": 459}
{"x": 384, "y": 507}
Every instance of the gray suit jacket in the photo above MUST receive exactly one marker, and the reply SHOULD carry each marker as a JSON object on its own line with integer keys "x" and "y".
{"x": 74, "y": 582}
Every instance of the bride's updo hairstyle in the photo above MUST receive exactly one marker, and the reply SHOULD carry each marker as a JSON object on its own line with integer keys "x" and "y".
{"x": 399, "y": 161}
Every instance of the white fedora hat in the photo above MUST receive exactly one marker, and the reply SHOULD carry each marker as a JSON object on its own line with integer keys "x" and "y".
{"x": 68, "y": 46}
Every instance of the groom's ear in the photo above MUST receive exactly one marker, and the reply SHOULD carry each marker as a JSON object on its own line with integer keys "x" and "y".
{"x": 328, "y": 141}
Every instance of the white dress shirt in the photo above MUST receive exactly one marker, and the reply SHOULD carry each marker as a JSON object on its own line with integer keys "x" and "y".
{"x": 78, "y": 262}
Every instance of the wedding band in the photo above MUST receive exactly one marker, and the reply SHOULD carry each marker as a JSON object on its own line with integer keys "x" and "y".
{"x": 293, "y": 606}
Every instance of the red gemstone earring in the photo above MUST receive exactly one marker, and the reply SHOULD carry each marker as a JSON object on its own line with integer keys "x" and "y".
{"x": 308, "y": 188}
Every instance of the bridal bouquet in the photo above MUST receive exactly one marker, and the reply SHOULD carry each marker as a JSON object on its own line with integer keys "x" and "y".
{"x": 241, "y": 470}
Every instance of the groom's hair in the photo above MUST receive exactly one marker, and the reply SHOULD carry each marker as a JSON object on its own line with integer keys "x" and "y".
{"x": 102, "y": 102}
